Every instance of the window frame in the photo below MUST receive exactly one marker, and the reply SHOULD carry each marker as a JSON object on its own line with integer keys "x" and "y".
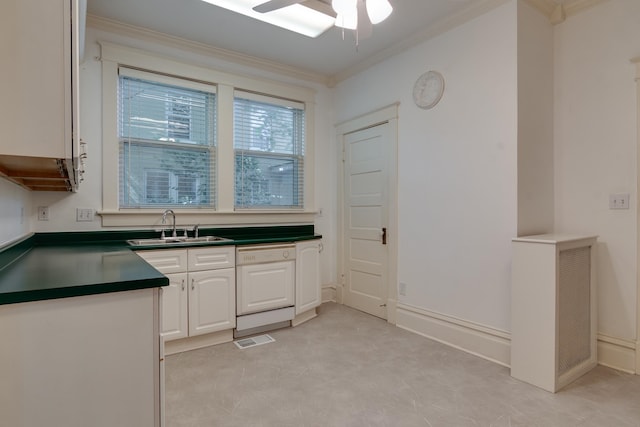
{"x": 113, "y": 56}
{"x": 296, "y": 156}
{"x": 182, "y": 144}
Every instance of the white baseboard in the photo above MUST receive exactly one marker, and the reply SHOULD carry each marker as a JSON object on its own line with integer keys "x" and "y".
{"x": 482, "y": 341}
{"x": 303, "y": 317}
{"x": 198, "y": 341}
{"x": 328, "y": 293}
{"x": 495, "y": 345}
{"x": 617, "y": 353}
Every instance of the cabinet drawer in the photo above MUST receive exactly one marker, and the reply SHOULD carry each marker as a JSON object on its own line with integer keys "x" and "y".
{"x": 172, "y": 261}
{"x": 212, "y": 258}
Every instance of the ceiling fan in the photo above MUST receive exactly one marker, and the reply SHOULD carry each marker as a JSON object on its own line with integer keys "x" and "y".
{"x": 357, "y": 15}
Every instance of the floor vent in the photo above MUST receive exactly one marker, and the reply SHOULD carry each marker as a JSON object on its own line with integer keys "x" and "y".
{"x": 253, "y": 341}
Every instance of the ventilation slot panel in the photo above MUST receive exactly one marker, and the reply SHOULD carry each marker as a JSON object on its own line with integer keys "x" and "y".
{"x": 574, "y": 308}
{"x": 253, "y": 341}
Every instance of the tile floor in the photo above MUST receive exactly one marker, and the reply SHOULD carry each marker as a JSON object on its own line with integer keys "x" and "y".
{"x": 346, "y": 368}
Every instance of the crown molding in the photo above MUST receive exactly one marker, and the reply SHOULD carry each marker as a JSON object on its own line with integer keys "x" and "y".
{"x": 557, "y": 11}
{"x": 140, "y": 33}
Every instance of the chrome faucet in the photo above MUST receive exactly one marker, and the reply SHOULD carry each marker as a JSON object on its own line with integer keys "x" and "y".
{"x": 164, "y": 220}
{"x": 195, "y": 230}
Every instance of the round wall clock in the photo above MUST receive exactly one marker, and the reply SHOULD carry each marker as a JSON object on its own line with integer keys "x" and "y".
{"x": 428, "y": 89}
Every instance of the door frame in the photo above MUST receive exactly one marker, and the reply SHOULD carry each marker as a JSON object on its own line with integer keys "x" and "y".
{"x": 636, "y": 61}
{"x": 388, "y": 115}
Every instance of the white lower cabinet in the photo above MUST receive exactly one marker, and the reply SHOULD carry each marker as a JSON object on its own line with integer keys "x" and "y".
{"x": 175, "y": 306}
{"x": 201, "y": 295}
{"x": 92, "y": 360}
{"x": 212, "y": 298}
{"x": 308, "y": 291}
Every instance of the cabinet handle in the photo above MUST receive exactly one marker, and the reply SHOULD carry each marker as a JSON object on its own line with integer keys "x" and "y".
{"x": 183, "y": 285}
{"x": 384, "y": 235}
{"x": 193, "y": 285}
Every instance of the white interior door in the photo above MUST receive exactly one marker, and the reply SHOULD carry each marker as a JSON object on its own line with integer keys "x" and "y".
{"x": 366, "y": 218}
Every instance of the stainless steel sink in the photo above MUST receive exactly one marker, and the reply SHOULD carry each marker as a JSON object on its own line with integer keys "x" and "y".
{"x": 205, "y": 239}
{"x": 175, "y": 241}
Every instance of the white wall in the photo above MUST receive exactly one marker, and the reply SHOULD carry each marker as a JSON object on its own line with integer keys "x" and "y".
{"x": 15, "y": 211}
{"x": 535, "y": 122}
{"x": 595, "y": 147}
{"x": 457, "y": 166}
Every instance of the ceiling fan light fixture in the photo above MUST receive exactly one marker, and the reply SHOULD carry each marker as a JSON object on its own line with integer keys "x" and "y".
{"x": 343, "y": 6}
{"x": 378, "y": 10}
{"x": 348, "y": 20}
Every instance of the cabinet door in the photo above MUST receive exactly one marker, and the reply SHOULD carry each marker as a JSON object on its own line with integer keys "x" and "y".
{"x": 308, "y": 292}
{"x": 174, "y": 307}
{"x": 35, "y": 110}
{"x": 212, "y": 296}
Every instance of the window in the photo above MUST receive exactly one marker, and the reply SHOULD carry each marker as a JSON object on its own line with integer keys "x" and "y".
{"x": 269, "y": 142}
{"x": 223, "y": 148}
{"x": 166, "y": 132}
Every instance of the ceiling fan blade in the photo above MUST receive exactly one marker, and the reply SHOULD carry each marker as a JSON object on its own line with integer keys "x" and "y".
{"x": 365, "y": 28}
{"x": 272, "y": 5}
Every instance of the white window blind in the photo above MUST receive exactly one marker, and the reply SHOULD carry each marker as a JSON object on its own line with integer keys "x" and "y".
{"x": 166, "y": 130}
{"x": 269, "y": 144}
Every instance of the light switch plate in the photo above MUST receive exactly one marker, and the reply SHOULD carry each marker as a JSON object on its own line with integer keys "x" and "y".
{"x": 84, "y": 215}
{"x": 43, "y": 213}
{"x": 619, "y": 201}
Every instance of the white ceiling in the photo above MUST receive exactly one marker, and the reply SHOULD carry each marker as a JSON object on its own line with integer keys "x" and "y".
{"x": 327, "y": 55}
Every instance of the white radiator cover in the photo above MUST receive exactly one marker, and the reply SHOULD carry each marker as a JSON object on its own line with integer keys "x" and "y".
{"x": 553, "y": 309}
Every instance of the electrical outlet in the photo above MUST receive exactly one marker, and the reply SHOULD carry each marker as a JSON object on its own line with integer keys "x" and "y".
{"x": 43, "y": 213}
{"x": 403, "y": 289}
{"x": 619, "y": 201}
{"x": 84, "y": 215}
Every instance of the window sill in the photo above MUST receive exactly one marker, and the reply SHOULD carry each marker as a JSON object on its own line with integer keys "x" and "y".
{"x": 190, "y": 217}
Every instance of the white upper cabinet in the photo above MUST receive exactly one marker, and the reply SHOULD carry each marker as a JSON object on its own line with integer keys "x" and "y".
{"x": 40, "y": 147}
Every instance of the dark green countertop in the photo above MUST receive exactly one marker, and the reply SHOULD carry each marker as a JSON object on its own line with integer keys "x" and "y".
{"x": 48, "y": 272}
{"x": 60, "y": 265}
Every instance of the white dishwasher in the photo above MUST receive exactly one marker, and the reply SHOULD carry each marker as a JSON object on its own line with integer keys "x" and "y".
{"x": 265, "y": 287}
